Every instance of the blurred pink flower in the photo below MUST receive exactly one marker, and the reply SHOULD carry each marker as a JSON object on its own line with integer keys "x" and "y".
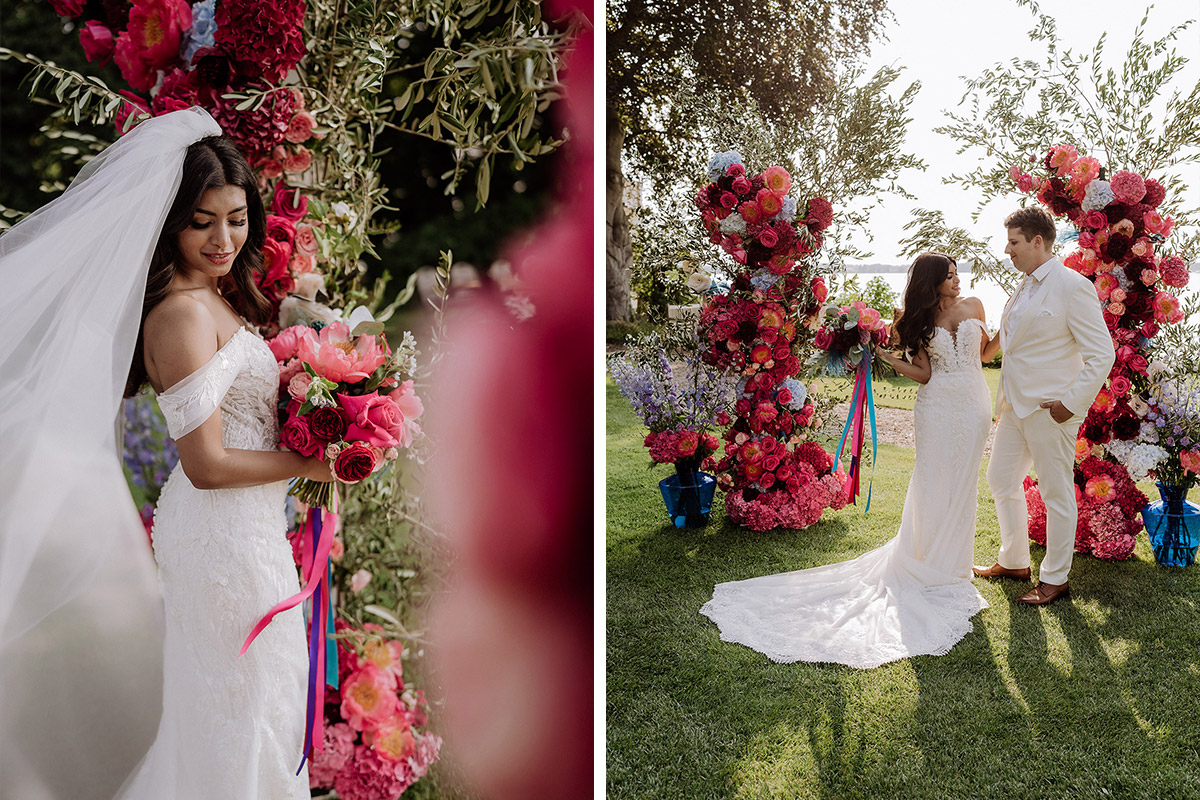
{"x": 359, "y": 580}
{"x": 1101, "y": 488}
{"x": 1167, "y": 308}
{"x": 1190, "y": 460}
{"x": 338, "y": 747}
{"x": 300, "y": 128}
{"x": 393, "y": 739}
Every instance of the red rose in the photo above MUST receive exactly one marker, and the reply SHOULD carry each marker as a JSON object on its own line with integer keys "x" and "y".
{"x": 97, "y": 42}
{"x": 728, "y": 199}
{"x": 373, "y": 419}
{"x": 741, "y": 185}
{"x": 1138, "y": 364}
{"x": 276, "y": 255}
{"x": 354, "y": 463}
{"x": 768, "y": 238}
{"x": 327, "y": 424}
{"x": 281, "y": 229}
{"x": 290, "y": 204}
{"x": 296, "y": 435}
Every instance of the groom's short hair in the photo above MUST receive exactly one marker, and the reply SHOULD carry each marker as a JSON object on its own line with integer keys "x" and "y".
{"x": 1032, "y": 221}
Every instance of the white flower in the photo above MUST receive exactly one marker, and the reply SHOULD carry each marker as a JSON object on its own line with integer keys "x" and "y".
{"x": 1097, "y": 195}
{"x": 733, "y": 224}
{"x": 699, "y": 282}
{"x": 343, "y": 213}
{"x": 520, "y": 306}
{"x": 308, "y": 284}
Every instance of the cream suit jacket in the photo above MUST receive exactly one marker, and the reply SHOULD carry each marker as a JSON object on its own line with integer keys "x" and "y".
{"x": 1060, "y": 349}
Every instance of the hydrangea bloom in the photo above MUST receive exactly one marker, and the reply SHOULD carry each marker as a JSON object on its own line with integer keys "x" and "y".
{"x": 203, "y": 27}
{"x": 1097, "y": 195}
{"x": 721, "y": 162}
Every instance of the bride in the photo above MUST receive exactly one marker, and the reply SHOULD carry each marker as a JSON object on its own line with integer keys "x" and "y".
{"x": 912, "y": 596}
{"x": 118, "y": 283}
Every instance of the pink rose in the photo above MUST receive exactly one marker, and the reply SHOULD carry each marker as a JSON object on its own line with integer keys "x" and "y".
{"x": 405, "y": 398}
{"x": 98, "y": 42}
{"x": 728, "y": 199}
{"x": 302, "y": 264}
{"x": 373, "y": 419}
{"x": 298, "y": 386}
{"x": 270, "y": 169}
{"x": 306, "y": 240}
{"x": 741, "y": 185}
{"x": 823, "y": 339}
{"x": 1138, "y": 364}
{"x": 1120, "y": 385}
{"x": 298, "y": 161}
{"x": 300, "y": 128}
{"x": 295, "y": 435}
{"x": 768, "y": 238}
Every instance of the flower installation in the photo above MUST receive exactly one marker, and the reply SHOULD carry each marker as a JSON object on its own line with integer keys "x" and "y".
{"x": 679, "y": 403}
{"x": 1121, "y": 249}
{"x": 842, "y": 346}
{"x": 772, "y": 477}
{"x": 373, "y": 745}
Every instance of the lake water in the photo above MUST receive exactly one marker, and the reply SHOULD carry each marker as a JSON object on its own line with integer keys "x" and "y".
{"x": 993, "y": 296}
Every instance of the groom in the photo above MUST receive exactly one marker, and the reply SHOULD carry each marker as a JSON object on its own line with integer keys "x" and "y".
{"x": 1057, "y": 354}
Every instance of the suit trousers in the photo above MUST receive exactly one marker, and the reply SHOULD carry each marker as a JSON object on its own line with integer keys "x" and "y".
{"x": 1040, "y": 442}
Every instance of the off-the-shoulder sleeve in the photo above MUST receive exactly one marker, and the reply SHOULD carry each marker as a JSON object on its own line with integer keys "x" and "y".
{"x": 190, "y": 402}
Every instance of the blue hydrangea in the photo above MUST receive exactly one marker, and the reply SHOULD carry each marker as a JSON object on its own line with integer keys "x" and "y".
{"x": 204, "y": 26}
{"x": 788, "y": 212}
{"x": 721, "y": 162}
{"x": 1097, "y": 195}
{"x": 799, "y": 393}
{"x": 763, "y": 280}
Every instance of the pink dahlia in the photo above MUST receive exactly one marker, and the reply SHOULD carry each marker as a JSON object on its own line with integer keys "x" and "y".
{"x": 1129, "y": 187}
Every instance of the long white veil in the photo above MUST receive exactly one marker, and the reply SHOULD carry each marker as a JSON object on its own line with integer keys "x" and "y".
{"x": 80, "y": 612}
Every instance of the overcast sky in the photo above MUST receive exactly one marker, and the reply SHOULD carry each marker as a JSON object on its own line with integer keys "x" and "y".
{"x": 938, "y": 42}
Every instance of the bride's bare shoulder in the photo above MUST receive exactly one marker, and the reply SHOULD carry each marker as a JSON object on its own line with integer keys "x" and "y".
{"x": 180, "y": 317}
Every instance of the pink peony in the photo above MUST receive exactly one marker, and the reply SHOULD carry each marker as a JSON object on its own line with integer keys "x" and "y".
{"x": 1129, "y": 187}
{"x": 1167, "y": 308}
{"x": 332, "y": 354}
{"x": 134, "y": 68}
{"x": 368, "y": 697}
{"x": 1190, "y": 460}
{"x": 386, "y": 655}
{"x": 1025, "y": 183}
{"x": 769, "y": 202}
{"x": 97, "y": 42}
{"x": 777, "y": 180}
{"x": 285, "y": 344}
{"x": 751, "y": 211}
{"x": 393, "y": 739}
{"x": 1101, "y": 488}
{"x": 1061, "y": 158}
{"x": 157, "y": 27}
{"x": 373, "y": 419}
{"x": 819, "y": 289}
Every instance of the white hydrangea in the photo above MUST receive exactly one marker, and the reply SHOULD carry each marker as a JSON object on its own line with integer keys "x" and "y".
{"x": 1097, "y": 195}
{"x": 733, "y": 224}
{"x": 1148, "y": 432}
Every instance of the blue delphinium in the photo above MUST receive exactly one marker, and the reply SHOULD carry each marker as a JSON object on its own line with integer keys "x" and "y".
{"x": 721, "y": 162}
{"x": 149, "y": 453}
{"x": 665, "y": 400}
{"x": 202, "y": 31}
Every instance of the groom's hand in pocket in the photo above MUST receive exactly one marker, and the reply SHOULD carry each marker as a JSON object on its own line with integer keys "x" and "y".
{"x": 1058, "y": 412}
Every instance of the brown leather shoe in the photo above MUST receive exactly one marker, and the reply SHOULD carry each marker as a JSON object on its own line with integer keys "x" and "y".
{"x": 997, "y": 571}
{"x": 1043, "y": 593}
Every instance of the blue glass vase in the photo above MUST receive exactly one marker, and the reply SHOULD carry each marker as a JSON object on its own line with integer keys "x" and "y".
{"x": 688, "y": 494}
{"x": 1173, "y": 525}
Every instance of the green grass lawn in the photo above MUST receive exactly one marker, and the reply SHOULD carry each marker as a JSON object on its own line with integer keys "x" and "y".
{"x": 1092, "y": 698}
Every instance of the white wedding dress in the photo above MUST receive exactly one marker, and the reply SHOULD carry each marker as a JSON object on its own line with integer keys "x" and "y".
{"x": 232, "y": 727}
{"x": 914, "y": 595}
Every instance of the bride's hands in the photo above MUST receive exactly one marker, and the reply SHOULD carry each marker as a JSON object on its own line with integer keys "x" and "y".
{"x": 316, "y": 469}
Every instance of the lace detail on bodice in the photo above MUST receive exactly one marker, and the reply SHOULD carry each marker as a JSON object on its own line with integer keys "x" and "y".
{"x": 242, "y": 379}
{"x": 956, "y": 351}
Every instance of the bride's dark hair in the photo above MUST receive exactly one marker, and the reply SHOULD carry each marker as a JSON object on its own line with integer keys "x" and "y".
{"x": 210, "y": 163}
{"x": 915, "y": 327}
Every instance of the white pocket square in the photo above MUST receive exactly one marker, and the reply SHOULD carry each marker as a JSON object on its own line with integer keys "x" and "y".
{"x": 1044, "y": 313}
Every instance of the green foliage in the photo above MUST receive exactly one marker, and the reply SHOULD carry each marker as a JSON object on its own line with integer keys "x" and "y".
{"x": 1133, "y": 116}
{"x": 616, "y": 331}
{"x": 660, "y": 261}
{"x": 1178, "y": 346}
{"x": 1019, "y": 708}
{"x": 779, "y": 57}
{"x": 877, "y": 294}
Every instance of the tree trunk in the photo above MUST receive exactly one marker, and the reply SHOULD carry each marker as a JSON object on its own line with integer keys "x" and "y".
{"x": 619, "y": 246}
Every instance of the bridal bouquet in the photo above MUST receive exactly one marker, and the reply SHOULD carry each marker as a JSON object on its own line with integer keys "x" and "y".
{"x": 343, "y": 398}
{"x": 844, "y": 339}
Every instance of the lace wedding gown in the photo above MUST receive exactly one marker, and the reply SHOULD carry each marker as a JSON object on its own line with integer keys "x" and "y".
{"x": 232, "y": 728}
{"x": 912, "y": 596}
